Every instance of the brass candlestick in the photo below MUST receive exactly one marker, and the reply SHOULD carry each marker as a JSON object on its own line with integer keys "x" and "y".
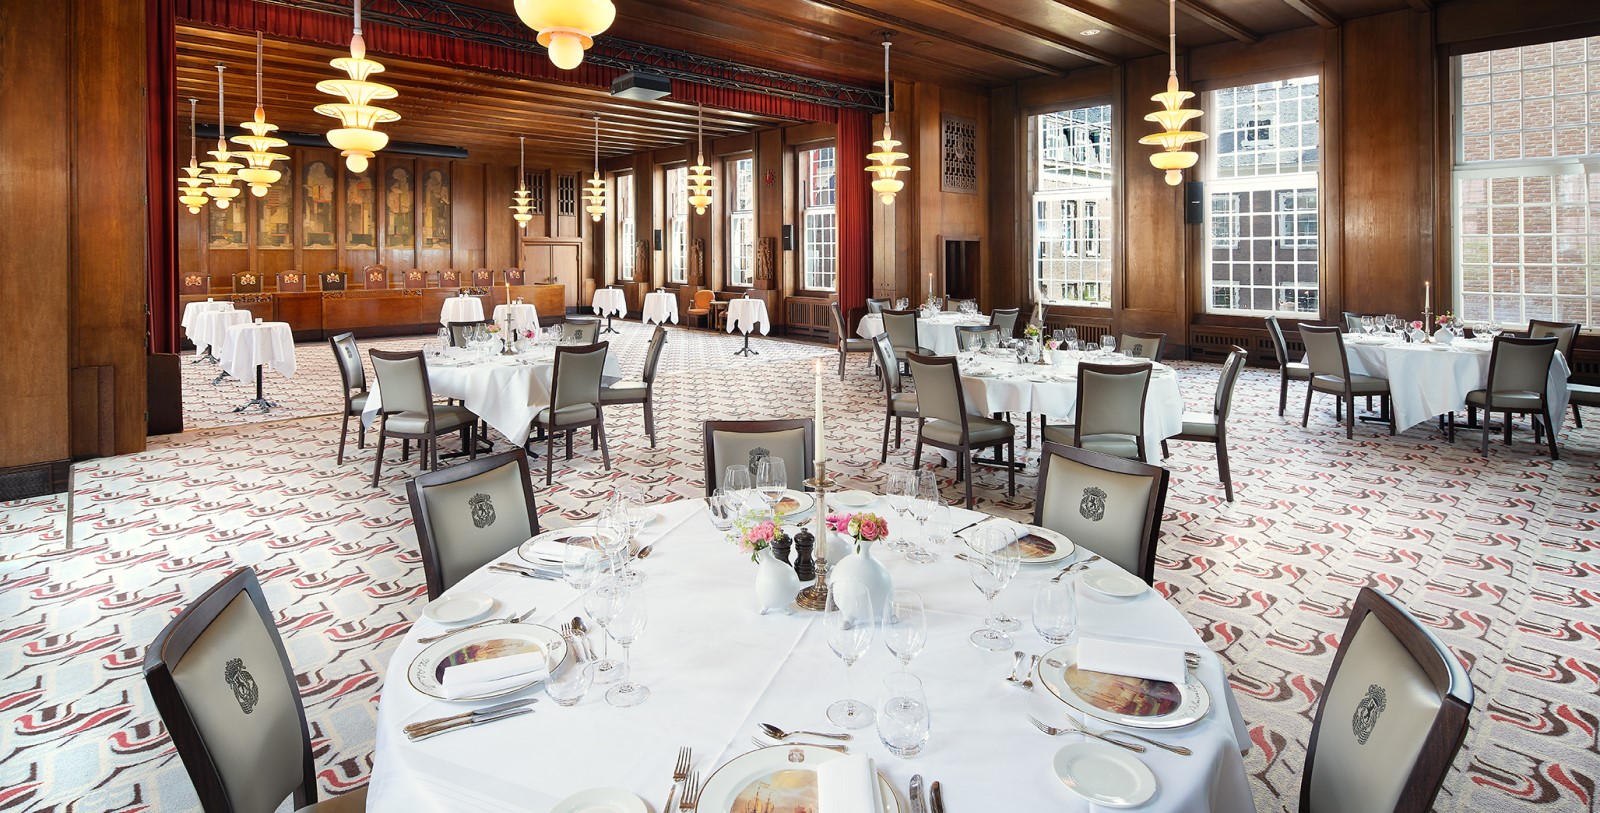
{"x": 815, "y": 597}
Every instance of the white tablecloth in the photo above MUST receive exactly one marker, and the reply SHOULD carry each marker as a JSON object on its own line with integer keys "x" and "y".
{"x": 937, "y": 334}
{"x": 249, "y": 345}
{"x": 1428, "y": 380}
{"x": 660, "y": 306}
{"x": 523, "y": 315}
{"x": 716, "y": 668}
{"x": 193, "y": 309}
{"x": 610, "y": 302}
{"x": 210, "y": 329}
{"x": 461, "y": 309}
{"x": 506, "y": 391}
{"x": 748, "y": 315}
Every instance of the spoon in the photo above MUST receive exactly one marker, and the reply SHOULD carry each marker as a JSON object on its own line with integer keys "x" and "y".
{"x": 645, "y": 551}
{"x": 583, "y": 634}
{"x": 779, "y": 734}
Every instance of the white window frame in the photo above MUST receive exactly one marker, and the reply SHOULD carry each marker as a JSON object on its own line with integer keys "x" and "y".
{"x": 741, "y": 172}
{"x": 819, "y": 225}
{"x": 627, "y": 227}
{"x": 1070, "y": 212}
{"x": 675, "y": 192}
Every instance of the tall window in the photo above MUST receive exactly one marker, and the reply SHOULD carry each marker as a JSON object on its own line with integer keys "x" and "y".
{"x": 741, "y": 194}
{"x": 1072, "y": 205}
{"x": 819, "y": 242}
{"x": 626, "y": 230}
{"x": 677, "y": 201}
{"x": 1527, "y": 191}
{"x": 1262, "y": 254}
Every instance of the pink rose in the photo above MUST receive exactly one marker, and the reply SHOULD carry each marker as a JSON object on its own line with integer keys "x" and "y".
{"x": 872, "y": 529}
{"x": 839, "y": 523}
{"x": 1416, "y": 324}
{"x": 763, "y": 532}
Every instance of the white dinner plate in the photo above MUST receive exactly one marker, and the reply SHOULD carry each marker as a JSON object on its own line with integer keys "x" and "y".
{"x": 1114, "y": 583}
{"x": 796, "y": 504}
{"x": 1121, "y": 699}
{"x": 1041, "y": 546}
{"x": 484, "y": 643}
{"x": 541, "y": 549}
{"x": 1104, "y": 774}
{"x": 733, "y": 787}
{"x": 601, "y": 800}
{"x": 854, "y": 498}
{"x": 458, "y": 607}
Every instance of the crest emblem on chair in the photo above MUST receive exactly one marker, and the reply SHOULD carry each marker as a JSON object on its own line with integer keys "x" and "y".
{"x": 1136, "y": 350}
{"x": 243, "y": 684}
{"x": 1093, "y": 505}
{"x": 1367, "y": 711}
{"x": 758, "y": 455}
{"x": 482, "y": 510}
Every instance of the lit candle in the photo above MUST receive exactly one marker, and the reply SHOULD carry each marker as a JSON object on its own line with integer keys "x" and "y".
{"x": 816, "y": 368}
{"x": 1427, "y": 296}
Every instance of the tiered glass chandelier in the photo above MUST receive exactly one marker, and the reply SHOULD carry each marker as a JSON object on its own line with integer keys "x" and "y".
{"x": 886, "y": 184}
{"x": 1173, "y": 158}
{"x": 521, "y": 211}
{"x": 192, "y": 187}
{"x": 357, "y": 140}
{"x": 221, "y": 190}
{"x": 567, "y": 28}
{"x": 595, "y": 195}
{"x": 258, "y": 171}
{"x": 700, "y": 173}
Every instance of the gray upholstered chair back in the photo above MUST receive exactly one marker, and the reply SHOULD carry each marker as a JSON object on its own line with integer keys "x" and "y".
{"x": 349, "y": 358}
{"x": 1231, "y": 369}
{"x": 838, "y": 323}
{"x": 1325, "y": 350}
{"x": 968, "y": 337}
{"x": 1565, "y": 332}
{"x": 1110, "y": 398}
{"x": 1142, "y": 345}
{"x": 403, "y": 379}
{"x": 458, "y": 332}
{"x": 886, "y": 363}
{"x": 1352, "y": 322}
{"x": 902, "y": 329}
{"x": 939, "y": 393}
{"x": 731, "y": 445}
{"x": 1108, "y": 505}
{"x": 579, "y": 331}
{"x": 1006, "y": 320}
{"x": 469, "y": 514}
{"x": 652, "y": 360}
{"x": 577, "y": 375}
{"x": 1280, "y": 347}
{"x": 877, "y": 305}
{"x": 1521, "y": 365}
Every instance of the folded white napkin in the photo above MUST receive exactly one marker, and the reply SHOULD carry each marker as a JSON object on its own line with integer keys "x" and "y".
{"x": 496, "y": 674}
{"x": 848, "y": 785}
{"x": 1133, "y": 660}
{"x": 1010, "y": 531}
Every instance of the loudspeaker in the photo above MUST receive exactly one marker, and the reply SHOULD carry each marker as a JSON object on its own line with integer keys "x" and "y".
{"x": 164, "y": 394}
{"x": 1194, "y": 202}
{"x": 788, "y": 237}
{"x": 657, "y": 237}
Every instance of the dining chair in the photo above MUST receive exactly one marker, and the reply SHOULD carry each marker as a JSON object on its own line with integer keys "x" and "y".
{"x": 575, "y": 402}
{"x": 1006, "y": 320}
{"x": 1287, "y": 370}
{"x": 1111, "y": 405}
{"x": 409, "y": 412}
{"x": 877, "y": 305}
{"x": 623, "y": 393}
{"x": 700, "y": 306}
{"x": 898, "y": 404}
{"x": 1395, "y": 705}
{"x": 458, "y": 331}
{"x": 847, "y": 345}
{"x": 745, "y": 443}
{"x": 227, "y": 694}
{"x": 354, "y": 377}
{"x": 466, "y": 516}
{"x": 902, "y": 329}
{"x": 943, "y": 421}
{"x": 1582, "y": 395}
{"x": 579, "y": 330}
{"x": 970, "y": 337}
{"x": 1110, "y": 506}
{"x": 1519, "y": 372}
{"x": 1352, "y": 321}
{"x": 1143, "y": 345}
{"x": 1567, "y": 334}
{"x": 1213, "y": 428}
{"x": 1330, "y": 373}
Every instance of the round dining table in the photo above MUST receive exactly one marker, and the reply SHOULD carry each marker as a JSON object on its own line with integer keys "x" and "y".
{"x": 609, "y": 302}
{"x": 524, "y": 316}
{"x": 716, "y": 668}
{"x": 460, "y": 309}
{"x": 191, "y": 314}
{"x": 936, "y": 333}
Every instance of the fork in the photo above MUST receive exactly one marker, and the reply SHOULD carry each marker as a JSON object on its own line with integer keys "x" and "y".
{"x": 515, "y": 619}
{"x": 1056, "y": 732}
{"x": 691, "y": 794}
{"x": 680, "y": 771}
{"x": 1074, "y": 568}
{"x": 569, "y": 635}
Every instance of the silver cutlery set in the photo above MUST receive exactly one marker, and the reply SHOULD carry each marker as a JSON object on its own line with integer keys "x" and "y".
{"x": 931, "y": 801}
{"x": 512, "y": 619}
{"x": 690, "y": 780}
{"x": 430, "y": 728}
{"x": 1024, "y": 678}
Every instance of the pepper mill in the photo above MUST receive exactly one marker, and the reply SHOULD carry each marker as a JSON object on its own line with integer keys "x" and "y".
{"x": 780, "y": 547}
{"x": 803, "y": 567}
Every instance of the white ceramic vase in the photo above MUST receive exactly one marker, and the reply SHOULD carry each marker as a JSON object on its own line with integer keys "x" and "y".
{"x": 776, "y": 583}
{"x": 838, "y": 547}
{"x": 862, "y": 568}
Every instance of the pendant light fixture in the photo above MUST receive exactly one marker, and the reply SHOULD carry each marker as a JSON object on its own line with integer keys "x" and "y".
{"x": 521, "y": 211}
{"x": 192, "y": 187}
{"x": 700, "y": 173}
{"x": 595, "y": 195}
{"x": 1173, "y": 138}
{"x": 258, "y": 171}
{"x": 221, "y": 176}
{"x": 567, "y": 28}
{"x": 357, "y": 139}
{"x": 886, "y": 184}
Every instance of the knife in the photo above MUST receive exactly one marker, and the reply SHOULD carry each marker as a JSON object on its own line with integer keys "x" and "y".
{"x": 917, "y": 805}
{"x": 467, "y": 723}
{"x": 528, "y": 572}
{"x": 426, "y": 724}
{"x": 938, "y": 798}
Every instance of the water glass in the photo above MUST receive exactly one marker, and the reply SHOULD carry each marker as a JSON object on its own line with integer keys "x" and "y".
{"x": 1055, "y": 610}
{"x": 723, "y": 513}
{"x": 568, "y": 686}
{"x": 904, "y": 724}
{"x": 580, "y": 568}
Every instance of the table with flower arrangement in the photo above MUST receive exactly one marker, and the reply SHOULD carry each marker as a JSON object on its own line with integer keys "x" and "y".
{"x": 716, "y": 668}
{"x": 936, "y": 333}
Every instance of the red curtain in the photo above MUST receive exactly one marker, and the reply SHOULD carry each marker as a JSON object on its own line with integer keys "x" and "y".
{"x": 161, "y": 260}
{"x": 854, "y": 208}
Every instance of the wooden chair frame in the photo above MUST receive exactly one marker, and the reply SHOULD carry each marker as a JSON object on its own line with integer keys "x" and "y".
{"x": 964, "y": 451}
{"x": 1346, "y": 397}
{"x": 427, "y": 443}
{"x": 596, "y": 427}
{"x": 1115, "y": 465}
{"x": 755, "y": 428}
{"x": 432, "y": 567}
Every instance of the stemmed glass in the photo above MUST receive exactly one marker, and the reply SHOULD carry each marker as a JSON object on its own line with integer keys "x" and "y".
{"x": 772, "y": 479}
{"x": 629, "y": 517}
{"x": 626, "y": 624}
{"x": 924, "y": 498}
{"x": 905, "y": 627}
{"x": 1055, "y": 610}
{"x": 1009, "y": 556}
{"x": 444, "y": 338}
{"x": 736, "y": 481}
{"x": 1108, "y": 343}
{"x": 901, "y": 491}
{"x": 990, "y": 574}
{"x": 601, "y": 604}
{"x": 1366, "y": 325}
{"x": 848, "y": 622}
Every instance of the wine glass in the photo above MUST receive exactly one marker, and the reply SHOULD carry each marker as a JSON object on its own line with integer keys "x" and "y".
{"x": 899, "y": 490}
{"x": 1108, "y": 343}
{"x": 772, "y": 479}
{"x": 444, "y": 337}
{"x": 905, "y": 627}
{"x": 924, "y": 497}
{"x": 848, "y": 622}
{"x": 601, "y": 603}
{"x": 1366, "y": 325}
{"x": 736, "y": 481}
{"x": 940, "y": 527}
{"x": 626, "y": 625}
{"x": 1055, "y": 610}
{"x": 904, "y": 724}
{"x": 990, "y": 575}
{"x": 1071, "y": 336}
{"x": 1008, "y": 554}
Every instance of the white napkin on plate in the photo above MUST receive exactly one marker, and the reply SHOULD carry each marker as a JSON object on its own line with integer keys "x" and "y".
{"x": 848, "y": 785}
{"x": 1133, "y": 660}
{"x": 1008, "y": 530}
{"x": 496, "y": 674}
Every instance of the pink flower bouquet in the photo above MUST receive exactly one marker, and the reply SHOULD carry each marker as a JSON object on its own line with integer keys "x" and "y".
{"x": 862, "y": 527}
{"x": 756, "y": 531}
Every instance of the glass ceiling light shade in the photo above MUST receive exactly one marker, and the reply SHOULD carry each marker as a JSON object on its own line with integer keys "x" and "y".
{"x": 885, "y": 165}
{"x": 700, "y": 173}
{"x": 567, "y": 28}
{"x": 1172, "y": 139}
{"x": 521, "y": 210}
{"x": 595, "y": 195}
{"x": 357, "y": 139}
{"x": 222, "y": 167}
{"x": 258, "y": 171}
{"x": 192, "y": 188}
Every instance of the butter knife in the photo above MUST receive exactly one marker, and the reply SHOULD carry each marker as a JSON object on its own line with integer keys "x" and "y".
{"x": 467, "y": 723}
{"x": 917, "y": 805}
{"x": 938, "y": 798}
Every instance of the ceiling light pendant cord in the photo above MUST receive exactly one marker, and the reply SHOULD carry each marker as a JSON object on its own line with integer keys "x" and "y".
{"x": 700, "y": 173}
{"x": 884, "y": 167}
{"x": 221, "y": 102}
{"x": 595, "y": 195}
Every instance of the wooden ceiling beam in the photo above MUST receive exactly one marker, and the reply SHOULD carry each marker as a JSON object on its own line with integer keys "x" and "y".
{"x": 1012, "y": 25}
{"x": 1315, "y": 12}
{"x": 1221, "y": 22}
{"x": 902, "y": 24}
{"x": 1421, "y": 5}
{"x": 1114, "y": 24}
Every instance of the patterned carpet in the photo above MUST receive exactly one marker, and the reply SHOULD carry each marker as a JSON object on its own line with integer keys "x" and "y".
{"x": 1500, "y": 557}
